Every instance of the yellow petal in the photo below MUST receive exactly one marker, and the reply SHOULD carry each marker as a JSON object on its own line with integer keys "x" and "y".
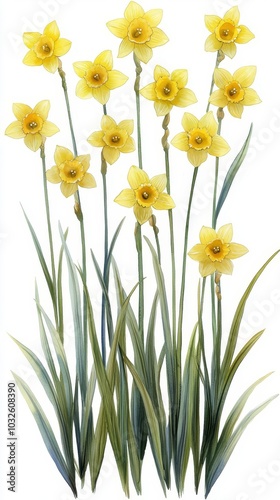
{"x": 245, "y": 75}
{"x": 207, "y": 234}
{"x": 68, "y": 188}
{"x": 115, "y": 79}
{"x": 21, "y": 110}
{"x": 51, "y": 64}
{"x": 149, "y": 92}
{"x": 96, "y": 139}
{"x": 129, "y": 146}
{"x": 233, "y": 14}
{"x": 83, "y": 90}
{"x": 84, "y": 160}
{"x": 164, "y": 202}
{"x": 133, "y": 10}
{"x": 219, "y": 146}
{"x": 162, "y": 108}
{"x": 143, "y": 52}
{"x": 224, "y": 267}
{"x": 128, "y": 125}
{"x": 15, "y": 131}
{"x": 153, "y": 17}
{"x": 30, "y": 38}
{"x": 88, "y": 181}
{"x": 212, "y": 43}
{"x": 237, "y": 250}
{"x": 31, "y": 59}
{"x": 126, "y": 198}
{"x": 62, "y": 154}
{"x": 62, "y": 46}
{"x": 81, "y": 67}
{"x": 111, "y": 155}
{"x": 225, "y": 233}
{"x": 136, "y": 176}
{"x": 229, "y": 49}
{"x": 189, "y": 121}
{"x": 180, "y": 76}
{"x": 235, "y": 109}
{"x": 42, "y": 108}
{"x": 108, "y": 123}
{"x": 53, "y": 175}
{"x": 208, "y": 121}
{"x": 105, "y": 59}
{"x": 206, "y": 268}
{"x": 245, "y": 35}
{"x": 196, "y": 157}
{"x": 118, "y": 27}
{"x": 142, "y": 214}
{"x": 218, "y": 98}
{"x": 251, "y": 97}
{"x": 159, "y": 182}
{"x": 211, "y": 22}
{"x": 197, "y": 252}
{"x": 159, "y": 71}
{"x": 33, "y": 141}
{"x": 184, "y": 98}
{"x": 222, "y": 77}
{"x": 158, "y": 38}
{"x": 181, "y": 141}
{"x": 49, "y": 129}
{"x": 125, "y": 48}
{"x": 52, "y": 30}
{"x": 101, "y": 94}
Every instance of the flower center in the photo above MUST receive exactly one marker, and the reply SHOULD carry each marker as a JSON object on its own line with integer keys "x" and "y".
{"x": 146, "y": 195}
{"x": 234, "y": 92}
{"x": 44, "y": 47}
{"x": 96, "y": 76}
{"x": 32, "y": 123}
{"x": 139, "y": 31}
{"x": 199, "y": 138}
{"x": 166, "y": 89}
{"x": 115, "y": 138}
{"x": 71, "y": 171}
{"x": 217, "y": 250}
{"x": 226, "y": 31}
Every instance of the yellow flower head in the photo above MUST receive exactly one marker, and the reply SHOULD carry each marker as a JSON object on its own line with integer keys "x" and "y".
{"x": 139, "y": 32}
{"x": 46, "y": 48}
{"x": 200, "y": 138}
{"x": 32, "y": 124}
{"x": 98, "y": 77}
{"x": 215, "y": 250}
{"x": 226, "y": 32}
{"x": 145, "y": 194}
{"x": 169, "y": 90}
{"x": 70, "y": 171}
{"x": 113, "y": 138}
{"x": 234, "y": 91}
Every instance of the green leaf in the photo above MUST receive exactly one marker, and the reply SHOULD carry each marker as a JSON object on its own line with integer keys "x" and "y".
{"x": 236, "y": 164}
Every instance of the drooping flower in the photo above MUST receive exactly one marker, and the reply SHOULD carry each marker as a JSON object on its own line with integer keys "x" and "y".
{"x": 46, "y": 48}
{"x": 200, "y": 138}
{"x": 215, "y": 250}
{"x": 98, "y": 77}
{"x": 226, "y": 32}
{"x": 32, "y": 124}
{"x": 113, "y": 138}
{"x": 168, "y": 90}
{"x": 139, "y": 32}
{"x": 234, "y": 91}
{"x": 145, "y": 194}
{"x": 70, "y": 171}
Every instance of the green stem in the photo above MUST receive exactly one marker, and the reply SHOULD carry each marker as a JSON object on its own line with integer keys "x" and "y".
{"x": 106, "y": 244}
{"x": 219, "y": 58}
{"x": 220, "y": 114}
{"x": 138, "y": 70}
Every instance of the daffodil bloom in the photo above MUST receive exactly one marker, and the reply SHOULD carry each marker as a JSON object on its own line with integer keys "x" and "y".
{"x": 168, "y": 90}
{"x": 145, "y": 194}
{"x": 46, "y": 48}
{"x": 200, "y": 138}
{"x": 215, "y": 250}
{"x": 226, "y": 32}
{"x": 70, "y": 171}
{"x": 139, "y": 32}
{"x": 234, "y": 91}
{"x": 113, "y": 138}
{"x": 98, "y": 77}
{"x": 32, "y": 124}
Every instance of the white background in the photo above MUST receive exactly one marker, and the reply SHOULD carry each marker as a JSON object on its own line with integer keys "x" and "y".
{"x": 253, "y": 207}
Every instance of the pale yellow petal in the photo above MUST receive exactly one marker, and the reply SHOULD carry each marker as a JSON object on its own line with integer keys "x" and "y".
{"x": 115, "y": 79}
{"x": 21, "y": 110}
{"x": 251, "y": 97}
{"x": 229, "y": 49}
{"x": 136, "y": 176}
{"x": 159, "y": 71}
{"x": 159, "y": 182}
{"x": 235, "y": 109}
{"x": 245, "y": 35}
{"x": 62, "y": 154}
{"x": 96, "y": 139}
{"x": 62, "y": 46}
{"x": 31, "y": 59}
{"x": 128, "y": 125}
{"x": 153, "y": 17}
{"x": 180, "y": 76}
{"x": 189, "y": 121}
{"x": 68, "y": 188}
{"x": 81, "y": 67}
{"x": 225, "y": 233}
{"x": 51, "y": 64}
{"x": 42, "y": 108}
{"x": 158, "y": 38}
{"x": 52, "y": 30}
{"x": 84, "y": 160}
{"x": 196, "y": 157}
{"x": 207, "y": 234}
{"x": 208, "y": 121}
{"x": 181, "y": 141}
{"x": 133, "y": 10}
{"x": 237, "y": 250}
{"x": 105, "y": 59}
{"x": 108, "y": 123}
{"x": 15, "y": 131}
{"x": 111, "y": 155}
{"x": 143, "y": 52}
{"x": 245, "y": 75}
{"x": 197, "y": 252}
{"x": 222, "y": 77}
{"x": 206, "y": 268}
{"x": 125, "y": 48}
{"x": 164, "y": 202}
{"x": 129, "y": 146}
{"x": 218, "y": 98}
{"x": 49, "y": 129}
{"x": 30, "y": 38}
{"x": 211, "y": 22}
{"x": 184, "y": 98}
{"x": 149, "y": 92}
{"x": 83, "y": 90}
{"x": 118, "y": 27}
{"x": 233, "y": 14}
{"x": 33, "y": 141}
{"x": 212, "y": 44}
{"x": 219, "y": 146}
{"x": 224, "y": 267}
{"x": 101, "y": 94}
{"x": 88, "y": 181}
{"x": 53, "y": 175}
{"x": 162, "y": 108}
{"x": 126, "y": 198}
{"x": 142, "y": 214}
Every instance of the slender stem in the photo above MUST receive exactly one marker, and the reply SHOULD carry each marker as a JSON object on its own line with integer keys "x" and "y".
{"x": 47, "y": 206}
{"x": 152, "y": 222}
{"x": 220, "y": 115}
{"x": 138, "y": 70}
{"x": 105, "y": 274}
{"x": 219, "y": 58}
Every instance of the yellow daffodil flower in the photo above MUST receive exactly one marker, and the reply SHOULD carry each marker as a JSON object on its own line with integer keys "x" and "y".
{"x": 145, "y": 194}
{"x": 200, "y": 138}
{"x": 168, "y": 90}
{"x": 70, "y": 171}
{"x": 98, "y": 77}
{"x": 226, "y": 32}
{"x": 234, "y": 91}
{"x": 215, "y": 250}
{"x": 113, "y": 138}
{"x": 32, "y": 124}
{"x": 139, "y": 32}
{"x": 46, "y": 48}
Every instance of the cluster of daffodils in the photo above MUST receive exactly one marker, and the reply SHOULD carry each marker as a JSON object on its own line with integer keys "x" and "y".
{"x": 140, "y": 34}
